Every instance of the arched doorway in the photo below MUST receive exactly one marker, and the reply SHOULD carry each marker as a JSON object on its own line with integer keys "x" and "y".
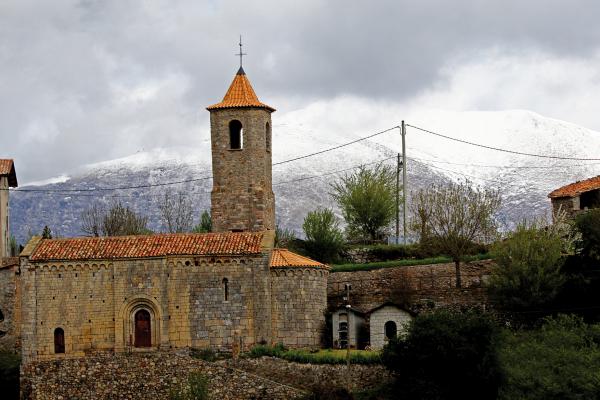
{"x": 391, "y": 330}
{"x": 143, "y": 335}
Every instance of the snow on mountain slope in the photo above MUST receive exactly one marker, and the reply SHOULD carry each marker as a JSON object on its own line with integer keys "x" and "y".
{"x": 524, "y": 181}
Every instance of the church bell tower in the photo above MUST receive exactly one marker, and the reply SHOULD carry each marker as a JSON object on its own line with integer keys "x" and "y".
{"x": 242, "y": 196}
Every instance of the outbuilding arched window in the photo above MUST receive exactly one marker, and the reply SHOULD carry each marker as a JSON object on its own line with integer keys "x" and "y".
{"x": 391, "y": 331}
{"x": 236, "y": 139}
{"x": 268, "y": 136}
{"x": 59, "y": 341}
{"x": 226, "y": 289}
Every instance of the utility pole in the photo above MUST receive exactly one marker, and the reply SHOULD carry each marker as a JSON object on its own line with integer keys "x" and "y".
{"x": 348, "y": 306}
{"x": 404, "y": 177}
{"x": 398, "y": 163}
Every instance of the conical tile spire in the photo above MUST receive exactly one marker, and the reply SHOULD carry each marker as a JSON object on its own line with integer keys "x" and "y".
{"x": 240, "y": 94}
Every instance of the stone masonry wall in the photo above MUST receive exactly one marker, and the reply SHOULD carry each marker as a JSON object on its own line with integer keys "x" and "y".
{"x": 242, "y": 195}
{"x": 143, "y": 376}
{"x": 298, "y": 305}
{"x": 4, "y": 219}
{"x": 95, "y": 302}
{"x": 9, "y": 315}
{"x": 416, "y": 287}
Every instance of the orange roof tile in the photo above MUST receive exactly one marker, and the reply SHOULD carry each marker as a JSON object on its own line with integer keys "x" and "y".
{"x": 240, "y": 94}
{"x": 285, "y": 258}
{"x": 575, "y": 189}
{"x": 7, "y": 167}
{"x": 118, "y": 247}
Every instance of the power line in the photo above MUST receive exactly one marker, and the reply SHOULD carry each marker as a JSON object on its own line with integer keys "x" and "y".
{"x": 501, "y": 149}
{"x": 333, "y": 172}
{"x": 198, "y": 179}
{"x": 336, "y": 147}
{"x": 505, "y": 166}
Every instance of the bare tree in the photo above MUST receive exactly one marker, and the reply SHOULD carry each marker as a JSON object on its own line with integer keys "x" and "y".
{"x": 121, "y": 220}
{"x": 456, "y": 215}
{"x": 176, "y": 212}
{"x": 91, "y": 220}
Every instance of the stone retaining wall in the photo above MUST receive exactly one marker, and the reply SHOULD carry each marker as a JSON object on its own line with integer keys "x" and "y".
{"x": 307, "y": 376}
{"x": 415, "y": 287}
{"x": 142, "y": 376}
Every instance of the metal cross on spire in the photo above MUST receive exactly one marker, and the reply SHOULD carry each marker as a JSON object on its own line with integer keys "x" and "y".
{"x": 241, "y": 54}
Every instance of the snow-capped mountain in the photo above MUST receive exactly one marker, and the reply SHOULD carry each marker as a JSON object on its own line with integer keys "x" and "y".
{"x": 523, "y": 180}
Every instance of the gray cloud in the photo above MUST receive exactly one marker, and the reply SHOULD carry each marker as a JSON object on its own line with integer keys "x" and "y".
{"x": 91, "y": 80}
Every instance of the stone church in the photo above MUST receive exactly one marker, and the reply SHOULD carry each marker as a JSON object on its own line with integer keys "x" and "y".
{"x": 73, "y": 296}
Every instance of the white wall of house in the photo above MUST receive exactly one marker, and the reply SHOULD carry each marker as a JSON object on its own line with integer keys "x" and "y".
{"x": 354, "y": 320}
{"x": 378, "y": 320}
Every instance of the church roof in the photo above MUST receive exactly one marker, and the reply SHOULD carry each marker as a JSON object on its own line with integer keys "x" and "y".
{"x": 281, "y": 258}
{"x": 142, "y": 246}
{"x": 240, "y": 94}
{"x": 7, "y": 167}
{"x": 576, "y": 188}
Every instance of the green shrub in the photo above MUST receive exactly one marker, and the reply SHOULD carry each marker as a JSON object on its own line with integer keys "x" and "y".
{"x": 528, "y": 272}
{"x": 261, "y": 350}
{"x": 307, "y": 356}
{"x": 206, "y": 354}
{"x": 197, "y": 388}
{"x": 560, "y": 360}
{"x": 9, "y": 374}
{"x": 446, "y": 355}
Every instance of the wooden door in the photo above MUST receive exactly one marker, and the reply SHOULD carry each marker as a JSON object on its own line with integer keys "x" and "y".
{"x": 59, "y": 341}
{"x": 142, "y": 329}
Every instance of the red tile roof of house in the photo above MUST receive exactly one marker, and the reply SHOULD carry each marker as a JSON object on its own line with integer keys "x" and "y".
{"x": 119, "y": 247}
{"x": 285, "y": 258}
{"x": 7, "y": 168}
{"x": 575, "y": 189}
{"x": 240, "y": 94}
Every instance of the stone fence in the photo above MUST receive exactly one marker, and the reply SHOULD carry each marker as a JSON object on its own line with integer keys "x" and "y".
{"x": 415, "y": 287}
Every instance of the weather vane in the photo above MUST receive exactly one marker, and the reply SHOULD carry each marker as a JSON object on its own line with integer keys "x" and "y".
{"x": 241, "y": 54}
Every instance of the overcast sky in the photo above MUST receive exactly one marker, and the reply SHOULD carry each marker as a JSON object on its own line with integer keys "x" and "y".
{"x": 86, "y": 81}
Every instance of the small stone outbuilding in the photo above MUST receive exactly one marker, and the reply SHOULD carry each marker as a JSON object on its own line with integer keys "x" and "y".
{"x": 576, "y": 197}
{"x": 386, "y": 322}
{"x": 346, "y": 326}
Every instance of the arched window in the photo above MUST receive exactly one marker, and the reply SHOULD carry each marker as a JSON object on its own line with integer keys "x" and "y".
{"x": 226, "y": 288}
{"x": 236, "y": 139}
{"x": 391, "y": 331}
{"x": 1, "y": 316}
{"x": 59, "y": 341}
{"x": 268, "y": 136}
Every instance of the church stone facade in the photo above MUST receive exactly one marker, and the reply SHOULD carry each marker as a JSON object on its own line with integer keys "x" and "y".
{"x": 220, "y": 290}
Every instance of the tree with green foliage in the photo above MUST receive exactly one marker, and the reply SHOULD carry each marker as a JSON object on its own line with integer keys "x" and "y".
{"x": 46, "y": 233}
{"x": 559, "y": 360}
{"x": 582, "y": 267}
{"x": 459, "y": 215}
{"x": 588, "y": 245}
{"x": 446, "y": 355}
{"x": 528, "y": 271}
{"x": 367, "y": 199}
{"x": 324, "y": 239}
{"x": 205, "y": 224}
